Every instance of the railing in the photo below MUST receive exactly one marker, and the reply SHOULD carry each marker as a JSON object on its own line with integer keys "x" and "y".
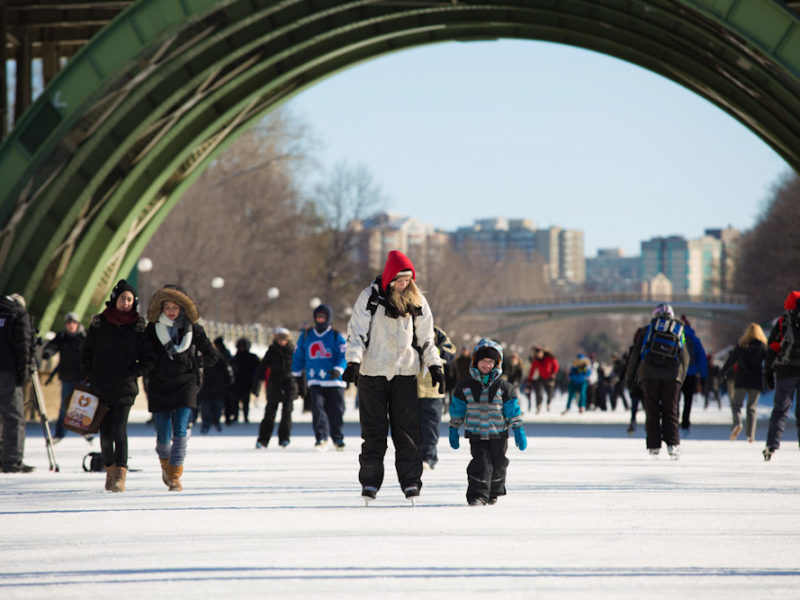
{"x": 731, "y": 301}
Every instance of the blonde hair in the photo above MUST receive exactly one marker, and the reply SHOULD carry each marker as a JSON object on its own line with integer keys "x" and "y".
{"x": 753, "y": 332}
{"x": 403, "y": 301}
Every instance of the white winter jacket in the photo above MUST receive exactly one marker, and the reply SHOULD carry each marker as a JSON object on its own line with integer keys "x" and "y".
{"x": 383, "y": 345}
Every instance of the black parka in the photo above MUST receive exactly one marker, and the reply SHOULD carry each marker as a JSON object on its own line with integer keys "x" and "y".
{"x": 749, "y": 365}
{"x": 113, "y": 358}
{"x": 15, "y": 339}
{"x": 173, "y": 381}
{"x": 69, "y": 348}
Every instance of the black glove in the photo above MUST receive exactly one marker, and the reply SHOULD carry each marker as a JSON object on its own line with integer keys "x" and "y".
{"x": 769, "y": 379}
{"x": 437, "y": 377}
{"x": 351, "y": 372}
{"x": 333, "y": 374}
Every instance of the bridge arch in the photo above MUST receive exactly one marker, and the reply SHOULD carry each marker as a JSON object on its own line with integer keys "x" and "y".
{"x": 94, "y": 166}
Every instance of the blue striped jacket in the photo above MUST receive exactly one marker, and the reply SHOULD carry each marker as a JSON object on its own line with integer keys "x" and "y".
{"x": 486, "y": 411}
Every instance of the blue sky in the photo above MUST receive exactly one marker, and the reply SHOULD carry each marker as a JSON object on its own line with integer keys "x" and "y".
{"x": 563, "y": 136}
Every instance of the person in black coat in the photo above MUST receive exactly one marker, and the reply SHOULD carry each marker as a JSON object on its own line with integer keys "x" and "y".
{"x": 281, "y": 388}
{"x": 15, "y": 355}
{"x": 68, "y": 344}
{"x": 174, "y": 337}
{"x": 244, "y": 365}
{"x": 216, "y": 388}
{"x": 112, "y": 360}
{"x": 748, "y": 358}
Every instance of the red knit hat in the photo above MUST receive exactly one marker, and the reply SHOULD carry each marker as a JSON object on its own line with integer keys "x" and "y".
{"x": 396, "y": 263}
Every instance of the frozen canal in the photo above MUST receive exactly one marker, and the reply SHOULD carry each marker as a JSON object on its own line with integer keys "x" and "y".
{"x": 588, "y": 515}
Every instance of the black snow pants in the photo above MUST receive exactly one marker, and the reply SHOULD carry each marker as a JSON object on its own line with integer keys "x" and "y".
{"x": 385, "y": 403}
{"x": 486, "y": 472}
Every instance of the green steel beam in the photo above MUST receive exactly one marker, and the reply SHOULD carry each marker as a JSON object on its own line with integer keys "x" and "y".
{"x": 119, "y": 135}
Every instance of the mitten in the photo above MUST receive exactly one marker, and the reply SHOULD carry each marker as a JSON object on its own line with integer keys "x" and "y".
{"x": 769, "y": 379}
{"x": 454, "y": 438}
{"x": 519, "y": 438}
{"x": 351, "y": 372}
{"x": 437, "y": 377}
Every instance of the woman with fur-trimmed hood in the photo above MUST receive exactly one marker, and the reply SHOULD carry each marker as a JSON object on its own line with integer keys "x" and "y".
{"x": 175, "y": 338}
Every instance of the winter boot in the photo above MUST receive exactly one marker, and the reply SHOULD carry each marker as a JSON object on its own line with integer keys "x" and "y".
{"x": 174, "y": 475}
{"x": 118, "y": 484}
{"x": 111, "y": 471}
{"x": 164, "y": 470}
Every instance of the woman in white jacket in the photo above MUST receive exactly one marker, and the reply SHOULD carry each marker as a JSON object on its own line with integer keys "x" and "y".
{"x": 389, "y": 333}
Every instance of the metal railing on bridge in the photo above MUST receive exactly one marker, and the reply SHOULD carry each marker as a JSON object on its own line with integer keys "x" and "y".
{"x": 725, "y": 307}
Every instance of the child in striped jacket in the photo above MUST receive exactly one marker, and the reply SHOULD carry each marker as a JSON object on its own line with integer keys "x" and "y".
{"x": 487, "y": 406}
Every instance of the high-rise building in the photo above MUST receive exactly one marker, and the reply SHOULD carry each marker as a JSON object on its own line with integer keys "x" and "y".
{"x": 692, "y": 266}
{"x": 497, "y": 237}
{"x": 383, "y": 232}
{"x": 612, "y": 271}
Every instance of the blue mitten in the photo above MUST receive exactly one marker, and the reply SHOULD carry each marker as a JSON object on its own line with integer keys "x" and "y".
{"x": 454, "y": 438}
{"x": 519, "y": 438}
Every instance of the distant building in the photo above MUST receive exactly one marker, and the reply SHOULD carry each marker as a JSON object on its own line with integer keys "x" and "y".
{"x": 383, "y": 232}
{"x": 612, "y": 271}
{"x": 560, "y": 249}
{"x": 700, "y": 266}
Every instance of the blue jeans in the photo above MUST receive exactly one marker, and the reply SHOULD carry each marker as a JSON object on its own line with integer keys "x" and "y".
{"x": 172, "y": 432}
{"x": 66, "y": 392}
{"x": 785, "y": 390}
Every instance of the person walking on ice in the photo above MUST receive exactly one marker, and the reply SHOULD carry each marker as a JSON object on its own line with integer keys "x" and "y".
{"x": 389, "y": 333}
{"x": 487, "y": 406}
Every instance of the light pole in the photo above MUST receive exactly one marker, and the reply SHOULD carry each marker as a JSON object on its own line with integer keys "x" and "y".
{"x": 144, "y": 266}
{"x": 273, "y": 294}
{"x": 217, "y": 283}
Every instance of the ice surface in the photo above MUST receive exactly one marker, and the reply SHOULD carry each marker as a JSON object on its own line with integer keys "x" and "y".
{"x": 588, "y": 515}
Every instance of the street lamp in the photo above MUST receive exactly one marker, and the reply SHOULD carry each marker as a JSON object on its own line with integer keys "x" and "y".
{"x": 217, "y": 283}
{"x": 144, "y": 266}
{"x": 273, "y": 294}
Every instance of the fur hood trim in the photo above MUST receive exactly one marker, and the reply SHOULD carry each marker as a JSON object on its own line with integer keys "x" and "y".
{"x": 176, "y": 296}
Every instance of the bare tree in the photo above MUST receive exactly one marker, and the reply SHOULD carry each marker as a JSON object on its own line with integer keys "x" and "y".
{"x": 349, "y": 194}
{"x": 766, "y": 269}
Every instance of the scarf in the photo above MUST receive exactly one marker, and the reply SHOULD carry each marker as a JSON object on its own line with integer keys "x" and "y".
{"x": 119, "y": 318}
{"x": 168, "y": 333}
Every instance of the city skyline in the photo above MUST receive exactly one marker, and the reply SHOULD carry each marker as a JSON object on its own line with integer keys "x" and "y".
{"x": 563, "y": 136}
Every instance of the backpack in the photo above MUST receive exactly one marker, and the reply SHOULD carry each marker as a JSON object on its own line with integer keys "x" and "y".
{"x": 372, "y": 305}
{"x": 789, "y": 352}
{"x": 95, "y": 462}
{"x": 663, "y": 341}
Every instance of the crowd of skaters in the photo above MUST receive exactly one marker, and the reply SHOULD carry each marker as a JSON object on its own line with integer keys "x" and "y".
{"x": 407, "y": 372}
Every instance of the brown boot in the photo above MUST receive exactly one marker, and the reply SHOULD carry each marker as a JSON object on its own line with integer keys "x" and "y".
{"x": 175, "y": 473}
{"x": 118, "y": 485}
{"x": 164, "y": 470}
{"x": 111, "y": 471}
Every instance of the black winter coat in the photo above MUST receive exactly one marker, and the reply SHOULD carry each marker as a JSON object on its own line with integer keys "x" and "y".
{"x": 112, "y": 359}
{"x": 15, "y": 339}
{"x": 748, "y": 363}
{"x": 69, "y": 348}
{"x": 217, "y": 379}
{"x": 278, "y": 360}
{"x": 173, "y": 382}
{"x": 244, "y": 366}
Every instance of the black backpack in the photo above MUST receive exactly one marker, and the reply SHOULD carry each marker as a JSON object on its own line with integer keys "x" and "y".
{"x": 663, "y": 341}
{"x": 95, "y": 462}
{"x": 789, "y": 339}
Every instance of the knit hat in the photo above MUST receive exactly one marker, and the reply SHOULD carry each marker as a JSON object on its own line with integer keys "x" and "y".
{"x": 486, "y": 348}
{"x": 176, "y": 294}
{"x": 397, "y": 264}
{"x": 664, "y": 310}
{"x": 792, "y": 301}
{"x": 71, "y": 316}
{"x": 324, "y": 308}
{"x": 281, "y": 333}
{"x": 18, "y": 299}
{"x": 123, "y": 286}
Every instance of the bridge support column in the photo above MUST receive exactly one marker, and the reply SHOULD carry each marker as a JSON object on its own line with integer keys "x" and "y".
{"x": 3, "y": 73}
{"x": 24, "y": 93}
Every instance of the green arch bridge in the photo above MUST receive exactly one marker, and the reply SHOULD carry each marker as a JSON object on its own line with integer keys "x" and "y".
{"x": 93, "y": 166}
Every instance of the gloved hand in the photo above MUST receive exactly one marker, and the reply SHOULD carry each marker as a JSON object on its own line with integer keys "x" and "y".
{"x": 333, "y": 374}
{"x": 437, "y": 377}
{"x": 769, "y": 379}
{"x": 454, "y": 438}
{"x": 519, "y": 438}
{"x": 351, "y": 372}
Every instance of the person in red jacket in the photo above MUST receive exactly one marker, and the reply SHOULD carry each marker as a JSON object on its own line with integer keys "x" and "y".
{"x": 545, "y": 367}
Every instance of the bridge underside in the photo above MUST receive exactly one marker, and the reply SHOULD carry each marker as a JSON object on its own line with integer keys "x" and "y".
{"x": 92, "y": 169}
